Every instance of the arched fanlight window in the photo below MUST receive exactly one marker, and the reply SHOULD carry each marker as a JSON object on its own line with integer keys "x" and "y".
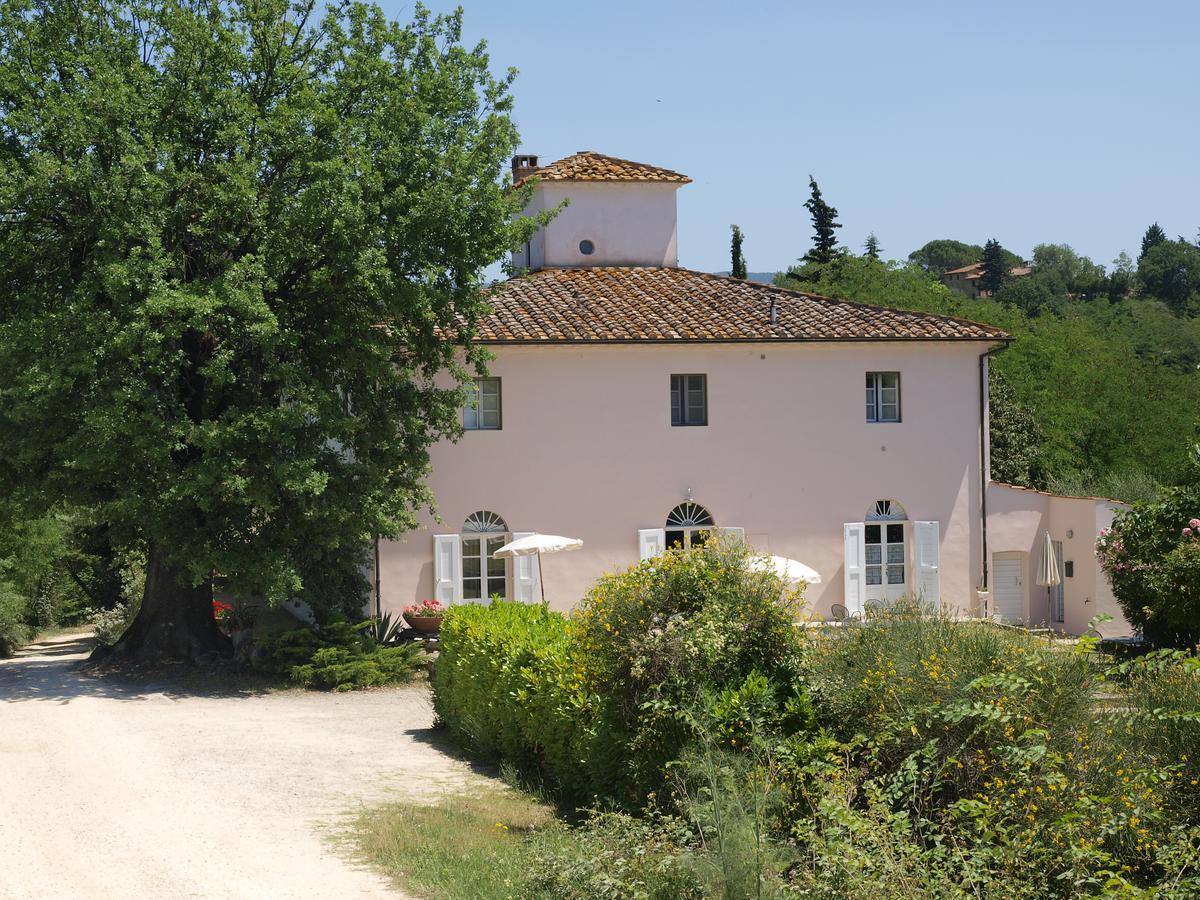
{"x": 484, "y": 522}
{"x": 689, "y": 515}
{"x": 688, "y": 525}
{"x": 886, "y": 511}
{"x": 483, "y": 575}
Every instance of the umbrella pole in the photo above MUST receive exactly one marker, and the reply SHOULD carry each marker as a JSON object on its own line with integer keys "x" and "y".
{"x": 541, "y": 581}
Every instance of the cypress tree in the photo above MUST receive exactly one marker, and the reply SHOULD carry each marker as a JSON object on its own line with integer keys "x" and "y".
{"x": 824, "y": 219}
{"x": 995, "y": 267}
{"x": 872, "y": 246}
{"x": 737, "y": 266}
{"x": 1154, "y": 235}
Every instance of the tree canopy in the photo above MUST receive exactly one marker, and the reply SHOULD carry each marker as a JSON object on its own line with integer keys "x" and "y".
{"x": 239, "y": 243}
{"x": 995, "y": 268}
{"x": 1170, "y": 271}
{"x": 1154, "y": 235}
{"x": 941, "y": 255}
{"x": 737, "y": 267}
{"x": 825, "y": 223}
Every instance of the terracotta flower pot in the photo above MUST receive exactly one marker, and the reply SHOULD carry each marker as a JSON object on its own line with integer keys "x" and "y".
{"x": 424, "y": 624}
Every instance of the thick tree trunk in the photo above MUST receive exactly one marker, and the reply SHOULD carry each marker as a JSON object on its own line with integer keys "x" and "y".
{"x": 175, "y": 620}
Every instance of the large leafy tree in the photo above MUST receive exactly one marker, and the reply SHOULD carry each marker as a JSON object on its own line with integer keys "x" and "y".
{"x": 995, "y": 269}
{"x": 1170, "y": 271}
{"x": 825, "y": 224}
{"x": 1153, "y": 237}
{"x": 241, "y": 248}
{"x": 1016, "y": 437}
{"x": 942, "y": 255}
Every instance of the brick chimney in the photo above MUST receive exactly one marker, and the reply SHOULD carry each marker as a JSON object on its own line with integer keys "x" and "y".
{"x": 523, "y": 166}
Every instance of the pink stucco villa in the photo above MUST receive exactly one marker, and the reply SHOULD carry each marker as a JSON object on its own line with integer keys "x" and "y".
{"x": 634, "y": 404}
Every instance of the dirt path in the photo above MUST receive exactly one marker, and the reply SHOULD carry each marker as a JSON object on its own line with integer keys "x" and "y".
{"x": 111, "y": 790}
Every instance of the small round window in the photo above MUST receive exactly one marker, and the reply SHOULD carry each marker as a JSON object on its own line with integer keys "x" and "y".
{"x": 587, "y": 248}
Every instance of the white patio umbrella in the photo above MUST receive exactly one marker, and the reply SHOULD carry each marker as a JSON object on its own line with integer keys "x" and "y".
{"x": 1048, "y": 575}
{"x": 536, "y": 545}
{"x": 787, "y": 569}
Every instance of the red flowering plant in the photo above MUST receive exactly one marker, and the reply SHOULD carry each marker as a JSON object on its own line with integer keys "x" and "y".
{"x": 1152, "y": 558}
{"x": 426, "y": 609}
{"x": 231, "y": 617}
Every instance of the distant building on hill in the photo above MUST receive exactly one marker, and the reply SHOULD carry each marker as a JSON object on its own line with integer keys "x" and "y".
{"x": 965, "y": 279}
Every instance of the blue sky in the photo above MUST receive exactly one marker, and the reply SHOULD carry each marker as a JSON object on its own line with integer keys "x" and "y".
{"x": 1031, "y": 122}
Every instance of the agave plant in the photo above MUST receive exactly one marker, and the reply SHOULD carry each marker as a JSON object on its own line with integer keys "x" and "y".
{"x": 386, "y": 630}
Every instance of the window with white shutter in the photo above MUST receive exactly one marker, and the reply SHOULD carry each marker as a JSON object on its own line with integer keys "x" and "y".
{"x": 447, "y": 568}
{"x": 855, "y": 569}
{"x": 526, "y": 587}
{"x": 926, "y": 552}
{"x": 651, "y": 543}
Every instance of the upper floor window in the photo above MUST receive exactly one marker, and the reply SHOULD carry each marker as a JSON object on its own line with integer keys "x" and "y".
{"x": 483, "y": 405}
{"x": 689, "y": 399}
{"x": 883, "y": 396}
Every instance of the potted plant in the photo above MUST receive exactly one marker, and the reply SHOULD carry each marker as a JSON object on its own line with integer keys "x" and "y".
{"x": 425, "y": 617}
{"x": 236, "y": 620}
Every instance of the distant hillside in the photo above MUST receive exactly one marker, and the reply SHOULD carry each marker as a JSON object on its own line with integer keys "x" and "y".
{"x": 764, "y": 277}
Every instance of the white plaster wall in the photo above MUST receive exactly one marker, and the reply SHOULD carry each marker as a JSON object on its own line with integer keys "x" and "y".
{"x": 1019, "y": 519}
{"x": 587, "y": 450}
{"x": 630, "y": 224}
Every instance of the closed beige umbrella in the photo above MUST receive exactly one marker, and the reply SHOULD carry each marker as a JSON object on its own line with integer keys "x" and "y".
{"x": 1048, "y": 575}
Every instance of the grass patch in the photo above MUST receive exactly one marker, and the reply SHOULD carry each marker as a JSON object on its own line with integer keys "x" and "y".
{"x": 473, "y": 847}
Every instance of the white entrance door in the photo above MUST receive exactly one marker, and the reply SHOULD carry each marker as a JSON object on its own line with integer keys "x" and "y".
{"x": 1008, "y": 586}
{"x": 886, "y": 562}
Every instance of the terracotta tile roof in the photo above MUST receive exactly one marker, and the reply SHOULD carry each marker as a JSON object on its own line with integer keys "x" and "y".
{"x": 635, "y": 304}
{"x": 971, "y": 268}
{"x": 974, "y": 270}
{"x": 587, "y": 165}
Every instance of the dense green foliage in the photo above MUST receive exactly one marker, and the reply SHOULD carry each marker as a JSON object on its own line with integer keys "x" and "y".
{"x": 737, "y": 259}
{"x": 940, "y": 256}
{"x": 1170, "y": 271}
{"x": 238, "y": 242}
{"x": 599, "y": 705}
{"x": 994, "y": 267}
{"x": 1154, "y": 235}
{"x": 935, "y": 759}
{"x": 48, "y": 577}
{"x": 1152, "y": 558}
{"x": 1113, "y": 387}
{"x": 871, "y": 246}
{"x": 824, "y": 223}
{"x": 338, "y": 656}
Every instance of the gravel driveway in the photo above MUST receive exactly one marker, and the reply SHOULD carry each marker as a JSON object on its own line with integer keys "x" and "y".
{"x": 111, "y": 790}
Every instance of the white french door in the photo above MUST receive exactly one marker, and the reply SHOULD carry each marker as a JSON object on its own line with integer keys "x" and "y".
{"x": 886, "y": 559}
{"x": 483, "y": 576}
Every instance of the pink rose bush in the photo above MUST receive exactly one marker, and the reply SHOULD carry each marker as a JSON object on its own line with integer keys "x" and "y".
{"x": 1152, "y": 558}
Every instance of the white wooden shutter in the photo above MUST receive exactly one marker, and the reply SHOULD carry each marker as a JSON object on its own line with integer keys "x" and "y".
{"x": 447, "y": 568}
{"x": 738, "y": 533}
{"x": 926, "y": 551}
{"x": 856, "y": 551}
{"x": 525, "y": 574}
{"x": 651, "y": 542}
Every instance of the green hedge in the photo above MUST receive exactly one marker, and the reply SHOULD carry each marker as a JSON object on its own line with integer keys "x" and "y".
{"x": 505, "y": 688}
{"x": 597, "y": 706}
